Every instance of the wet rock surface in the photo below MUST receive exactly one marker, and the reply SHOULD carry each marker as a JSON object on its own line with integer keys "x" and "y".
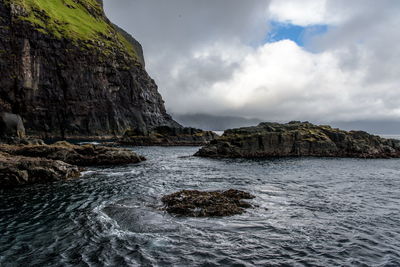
{"x": 18, "y": 170}
{"x": 168, "y": 136}
{"x": 30, "y": 161}
{"x": 195, "y": 203}
{"x": 84, "y": 155}
{"x": 297, "y": 139}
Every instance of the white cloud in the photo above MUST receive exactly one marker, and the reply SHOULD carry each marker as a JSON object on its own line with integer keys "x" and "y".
{"x": 205, "y": 59}
{"x": 280, "y": 81}
{"x": 304, "y": 12}
{"x": 330, "y": 12}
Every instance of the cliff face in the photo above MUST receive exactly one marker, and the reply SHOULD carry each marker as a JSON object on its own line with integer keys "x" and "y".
{"x": 296, "y": 139}
{"x": 68, "y": 71}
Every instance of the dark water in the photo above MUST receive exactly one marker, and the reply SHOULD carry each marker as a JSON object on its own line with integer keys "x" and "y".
{"x": 312, "y": 212}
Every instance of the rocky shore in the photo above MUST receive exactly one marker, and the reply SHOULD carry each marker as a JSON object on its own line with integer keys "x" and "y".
{"x": 25, "y": 164}
{"x": 168, "y": 136}
{"x": 299, "y": 139}
{"x": 84, "y": 155}
{"x": 195, "y": 203}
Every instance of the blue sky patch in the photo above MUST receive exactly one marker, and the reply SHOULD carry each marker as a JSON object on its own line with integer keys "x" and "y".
{"x": 298, "y": 34}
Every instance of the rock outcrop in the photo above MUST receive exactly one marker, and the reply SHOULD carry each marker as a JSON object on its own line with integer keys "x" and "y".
{"x": 39, "y": 163}
{"x": 195, "y": 203}
{"x": 296, "y": 139}
{"x": 168, "y": 136}
{"x": 18, "y": 170}
{"x": 68, "y": 71}
{"x": 85, "y": 155}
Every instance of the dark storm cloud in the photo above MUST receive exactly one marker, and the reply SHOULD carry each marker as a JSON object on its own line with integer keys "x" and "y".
{"x": 186, "y": 24}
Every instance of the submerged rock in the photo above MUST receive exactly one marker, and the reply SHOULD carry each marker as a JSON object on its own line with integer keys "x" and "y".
{"x": 85, "y": 155}
{"x": 168, "y": 136}
{"x": 18, "y": 170}
{"x": 203, "y": 204}
{"x": 296, "y": 139}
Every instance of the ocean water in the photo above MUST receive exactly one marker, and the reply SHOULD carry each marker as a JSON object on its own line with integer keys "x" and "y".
{"x": 311, "y": 212}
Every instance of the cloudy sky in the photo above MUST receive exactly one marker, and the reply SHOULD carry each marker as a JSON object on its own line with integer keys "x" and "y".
{"x": 316, "y": 60}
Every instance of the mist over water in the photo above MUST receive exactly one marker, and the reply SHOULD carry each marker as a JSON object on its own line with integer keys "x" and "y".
{"x": 311, "y": 211}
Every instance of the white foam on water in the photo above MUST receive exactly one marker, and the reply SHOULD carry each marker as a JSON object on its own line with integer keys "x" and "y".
{"x": 85, "y": 173}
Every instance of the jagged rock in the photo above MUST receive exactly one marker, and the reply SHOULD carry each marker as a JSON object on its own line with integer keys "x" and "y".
{"x": 296, "y": 139}
{"x": 85, "y": 155}
{"x": 18, "y": 170}
{"x": 168, "y": 136}
{"x": 206, "y": 204}
{"x": 69, "y": 72}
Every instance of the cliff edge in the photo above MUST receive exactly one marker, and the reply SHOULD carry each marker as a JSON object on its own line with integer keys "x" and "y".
{"x": 69, "y": 72}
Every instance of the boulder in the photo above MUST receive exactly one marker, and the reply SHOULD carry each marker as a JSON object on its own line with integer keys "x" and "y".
{"x": 11, "y": 125}
{"x": 18, "y": 170}
{"x": 298, "y": 139}
{"x": 195, "y": 203}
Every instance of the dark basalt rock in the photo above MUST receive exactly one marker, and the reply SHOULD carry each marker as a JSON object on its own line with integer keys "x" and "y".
{"x": 26, "y": 160}
{"x": 11, "y": 125}
{"x": 168, "y": 136}
{"x": 296, "y": 139}
{"x": 64, "y": 87}
{"x": 18, "y": 170}
{"x": 85, "y": 155}
{"x": 195, "y": 203}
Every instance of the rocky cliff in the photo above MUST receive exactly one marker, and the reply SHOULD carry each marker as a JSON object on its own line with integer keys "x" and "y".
{"x": 68, "y": 71}
{"x": 296, "y": 139}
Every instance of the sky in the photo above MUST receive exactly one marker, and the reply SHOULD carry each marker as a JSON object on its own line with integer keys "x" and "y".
{"x": 308, "y": 60}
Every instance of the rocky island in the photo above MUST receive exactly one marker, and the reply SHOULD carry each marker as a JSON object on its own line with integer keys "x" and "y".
{"x": 194, "y": 203}
{"x": 299, "y": 139}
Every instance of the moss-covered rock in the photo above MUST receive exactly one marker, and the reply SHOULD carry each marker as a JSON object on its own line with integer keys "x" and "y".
{"x": 296, "y": 139}
{"x": 195, "y": 203}
{"x": 82, "y": 21}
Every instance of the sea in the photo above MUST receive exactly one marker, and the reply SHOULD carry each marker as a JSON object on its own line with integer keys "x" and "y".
{"x": 308, "y": 212}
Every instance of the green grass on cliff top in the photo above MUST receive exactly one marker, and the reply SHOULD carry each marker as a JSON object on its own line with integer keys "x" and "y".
{"x": 74, "y": 19}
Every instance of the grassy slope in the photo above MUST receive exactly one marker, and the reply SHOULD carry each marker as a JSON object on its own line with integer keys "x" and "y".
{"x": 77, "y": 20}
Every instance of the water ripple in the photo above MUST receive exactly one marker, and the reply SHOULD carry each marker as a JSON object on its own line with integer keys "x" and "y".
{"x": 310, "y": 212}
